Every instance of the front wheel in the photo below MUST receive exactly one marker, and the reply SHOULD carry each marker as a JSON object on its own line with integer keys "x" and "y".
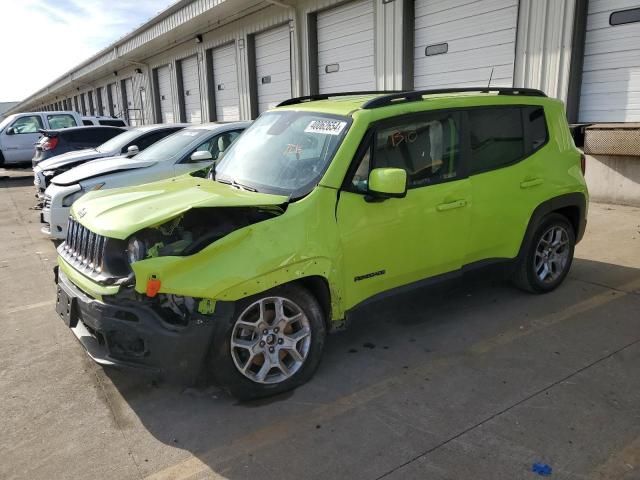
{"x": 273, "y": 344}
{"x": 547, "y": 257}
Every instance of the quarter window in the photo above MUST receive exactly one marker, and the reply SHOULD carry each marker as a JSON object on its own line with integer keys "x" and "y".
{"x": 428, "y": 148}
{"x": 30, "y": 124}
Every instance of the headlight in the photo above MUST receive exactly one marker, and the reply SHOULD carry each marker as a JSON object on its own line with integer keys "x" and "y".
{"x": 69, "y": 199}
{"x": 49, "y": 173}
{"x": 136, "y": 250}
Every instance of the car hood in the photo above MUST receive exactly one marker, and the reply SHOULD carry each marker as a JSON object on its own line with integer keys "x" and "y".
{"x": 101, "y": 166}
{"x": 120, "y": 212}
{"x": 69, "y": 158}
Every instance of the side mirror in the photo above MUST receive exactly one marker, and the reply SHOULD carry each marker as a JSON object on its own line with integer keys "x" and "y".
{"x": 132, "y": 151}
{"x": 11, "y": 131}
{"x": 201, "y": 156}
{"x": 387, "y": 183}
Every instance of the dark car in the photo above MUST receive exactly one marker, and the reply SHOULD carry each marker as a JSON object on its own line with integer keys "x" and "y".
{"x": 56, "y": 142}
{"x": 128, "y": 143}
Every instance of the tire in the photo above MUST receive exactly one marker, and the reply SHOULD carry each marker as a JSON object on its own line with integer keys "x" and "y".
{"x": 541, "y": 257}
{"x": 264, "y": 350}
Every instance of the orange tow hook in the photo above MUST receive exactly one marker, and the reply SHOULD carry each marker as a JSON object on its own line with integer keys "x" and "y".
{"x": 153, "y": 286}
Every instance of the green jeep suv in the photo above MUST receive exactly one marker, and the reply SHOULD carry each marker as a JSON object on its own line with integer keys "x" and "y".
{"x": 324, "y": 203}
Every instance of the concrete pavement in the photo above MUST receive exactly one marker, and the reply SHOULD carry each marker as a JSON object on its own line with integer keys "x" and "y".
{"x": 473, "y": 380}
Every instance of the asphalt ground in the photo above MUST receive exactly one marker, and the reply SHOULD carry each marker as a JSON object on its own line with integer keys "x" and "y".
{"x": 473, "y": 380}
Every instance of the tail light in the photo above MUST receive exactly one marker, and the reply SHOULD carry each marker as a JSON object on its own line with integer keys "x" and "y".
{"x": 50, "y": 143}
{"x": 583, "y": 163}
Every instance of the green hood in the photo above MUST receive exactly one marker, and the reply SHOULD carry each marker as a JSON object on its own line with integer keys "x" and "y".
{"x": 120, "y": 212}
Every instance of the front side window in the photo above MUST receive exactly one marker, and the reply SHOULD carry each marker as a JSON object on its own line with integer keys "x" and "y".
{"x": 61, "y": 121}
{"x": 30, "y": 124}
{"x": 497, "y": 137}
{"x": 284, "y": 152}
{"x": 427, "y": 147}
{"x": 175, "y": 145}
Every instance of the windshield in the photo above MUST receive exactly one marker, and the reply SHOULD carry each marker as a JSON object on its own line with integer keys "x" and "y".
{"x": 283, "y": 152}
{"x": 118, "y": 142}
{"x": 174, "y": 145}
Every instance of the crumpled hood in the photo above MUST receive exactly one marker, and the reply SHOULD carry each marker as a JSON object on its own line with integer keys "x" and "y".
{"x": 99, "y": 167}
{"x": 120, "y": 212}
{"x": 68, "y": 158}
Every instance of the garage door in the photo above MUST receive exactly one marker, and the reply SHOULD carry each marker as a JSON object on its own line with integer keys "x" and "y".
{"x": 346, "y": 48}
{"x": 611, "y": 71}
{"x": 225, "y": 81}
{"x": 273, "y": 67}
{"x": 458, "y": 43}
{"x": 191, "y": 90}
{"x": 165, "y": 94}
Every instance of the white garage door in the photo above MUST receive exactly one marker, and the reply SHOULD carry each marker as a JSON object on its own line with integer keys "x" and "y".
{"x": 165, "y": 94}
{"x": 273, "y": 67}
{"x": 191, "y": 89}
{"x": 458, "y": 43}
{"x": 106, "y": 107}
{"x": 346, "y": 48}
{"x": 131, "y": 113}
{"x": 611, "y": 70}
{"x": 225, "y": 81}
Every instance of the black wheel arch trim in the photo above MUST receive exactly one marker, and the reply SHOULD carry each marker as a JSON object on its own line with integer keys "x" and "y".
{"x": 576, "y": 200}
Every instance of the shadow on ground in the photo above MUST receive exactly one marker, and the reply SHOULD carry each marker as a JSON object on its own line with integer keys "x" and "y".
{"x": 467, "y": 343}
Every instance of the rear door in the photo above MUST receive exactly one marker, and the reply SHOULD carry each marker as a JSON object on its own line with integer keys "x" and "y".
{"x": 399, "y": 241}
{"x": 507, "y": 177}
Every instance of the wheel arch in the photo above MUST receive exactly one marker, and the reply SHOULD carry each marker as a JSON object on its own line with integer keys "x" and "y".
{"x": 573, "y": 206}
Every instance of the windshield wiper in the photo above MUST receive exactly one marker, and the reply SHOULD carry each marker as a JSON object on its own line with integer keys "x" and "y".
{"x": 233, "y": 183}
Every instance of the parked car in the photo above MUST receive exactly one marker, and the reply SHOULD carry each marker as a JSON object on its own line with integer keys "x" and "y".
{"x": 56, "y": 142}
{"x": 104, "y": 120}
{"x": 127, "y": 143}
{"x": 189, "y": 150}
{"x": 320, "y": 207}
{"x": 20, "y": 132}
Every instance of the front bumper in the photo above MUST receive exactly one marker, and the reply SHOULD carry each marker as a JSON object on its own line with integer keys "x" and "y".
{"x": 129, "y": 333}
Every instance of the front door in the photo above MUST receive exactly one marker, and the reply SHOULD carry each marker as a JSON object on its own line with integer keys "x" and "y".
{"x": 19, "y": 146}
{"x": 399, "y": 241}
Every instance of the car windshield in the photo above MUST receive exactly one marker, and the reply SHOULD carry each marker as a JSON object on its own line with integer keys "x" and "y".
{"x": 174, "y": 145}
{"x": 283, "y": 152}
{"x": 117, "y": 143}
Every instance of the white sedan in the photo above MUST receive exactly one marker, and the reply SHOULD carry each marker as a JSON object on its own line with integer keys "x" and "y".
{"x": 188, "y": 150}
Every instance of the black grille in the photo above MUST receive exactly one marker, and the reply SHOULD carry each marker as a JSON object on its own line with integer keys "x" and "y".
{"x": 83, "y": 248}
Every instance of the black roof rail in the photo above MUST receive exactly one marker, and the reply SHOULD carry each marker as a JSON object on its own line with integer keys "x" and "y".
{"x": 326, "y": 96}
{"x": 412, "y": 96}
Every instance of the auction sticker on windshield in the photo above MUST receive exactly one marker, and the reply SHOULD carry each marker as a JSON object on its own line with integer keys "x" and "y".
{"x": 326, "y": 127}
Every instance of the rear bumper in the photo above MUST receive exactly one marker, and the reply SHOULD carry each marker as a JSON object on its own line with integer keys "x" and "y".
{"x": 130, "y": 334}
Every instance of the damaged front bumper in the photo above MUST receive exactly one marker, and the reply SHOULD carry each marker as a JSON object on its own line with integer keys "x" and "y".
{"x": 127, "y": 333}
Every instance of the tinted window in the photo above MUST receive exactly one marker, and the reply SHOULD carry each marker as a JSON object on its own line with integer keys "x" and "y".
{"x": 91, "y": 136}
{"x": 61, "y": 121}
{"x": 536, "y": 126}
{"x": 29, "y": 124}
{"x": 427, "y": 148}
{"x": 148, "y": 140}
{"x": 112, "y": 123}
{"x": 497, "y": 137}
{"x": 87, "y": 122}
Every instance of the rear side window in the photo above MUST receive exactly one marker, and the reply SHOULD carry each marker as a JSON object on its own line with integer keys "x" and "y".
{"x": 112, "y": 123}
{"x": 61, "y": 121}
{"x": 87, "y": 122}
{"x": 504, "y": 135}
{"x": 91, "y": 136}
{"x": 150, "y": 139}
{"x": 427, "y": 147}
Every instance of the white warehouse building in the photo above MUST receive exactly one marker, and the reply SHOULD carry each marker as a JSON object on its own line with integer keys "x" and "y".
{"x": 208, "y": 60}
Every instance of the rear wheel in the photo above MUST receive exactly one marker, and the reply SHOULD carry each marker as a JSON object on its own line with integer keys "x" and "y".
{"x": 548, "y": 256}
{"x": 273, "y": 344}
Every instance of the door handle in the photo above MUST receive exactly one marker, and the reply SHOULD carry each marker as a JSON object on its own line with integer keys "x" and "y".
{"x": 531, "y": 183}
{"x": 450, "y": 206}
